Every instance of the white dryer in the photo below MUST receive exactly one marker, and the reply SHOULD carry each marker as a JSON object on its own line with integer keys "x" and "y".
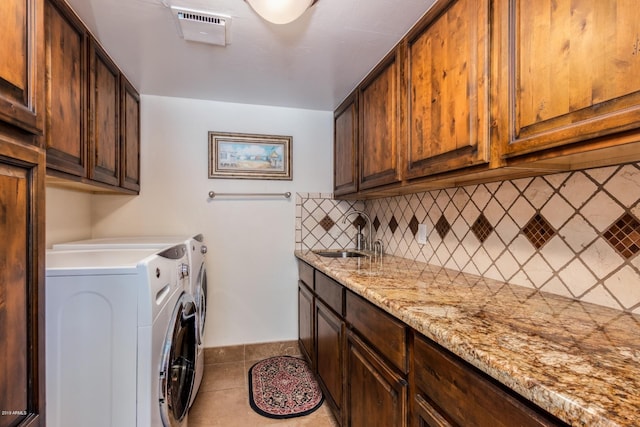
{"x": 198, "y": 251}
{"x": 125, "y": 242}
{"x": 121, "y": 338}
{"x": 197, "y": 286}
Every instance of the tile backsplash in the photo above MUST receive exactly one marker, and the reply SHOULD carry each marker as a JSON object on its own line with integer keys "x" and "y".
{"x": 319, "y": 221}
{"x": 575, "y": 234}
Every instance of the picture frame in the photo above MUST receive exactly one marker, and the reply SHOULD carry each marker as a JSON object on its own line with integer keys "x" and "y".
{"x": 249, "y": 156}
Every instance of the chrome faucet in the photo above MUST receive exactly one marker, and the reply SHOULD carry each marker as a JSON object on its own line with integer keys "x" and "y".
{"x": 359, "y": 239}
{"x": 378, "y": 248}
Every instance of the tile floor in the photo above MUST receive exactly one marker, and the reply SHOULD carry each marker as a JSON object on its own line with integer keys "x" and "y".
{"x": 223, "y": 399}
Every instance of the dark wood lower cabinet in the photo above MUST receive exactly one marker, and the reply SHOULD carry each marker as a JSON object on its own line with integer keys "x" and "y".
{"x": 376, "y": 396}
{"x": 305, "y": 323}
{"x": 450, "y": 392}
{"x": 376, "y": 371}
{"x": 329, "y": 352}
{"x": 426, "y": 415}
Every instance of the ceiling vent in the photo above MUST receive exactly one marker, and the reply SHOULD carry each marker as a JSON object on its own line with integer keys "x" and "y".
{"x": 203, "y": 27}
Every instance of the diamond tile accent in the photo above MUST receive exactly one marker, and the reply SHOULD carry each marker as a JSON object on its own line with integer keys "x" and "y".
{"x": 327, "y": 223}
{"x": 376, "y": 223}
{"x": 413, "y": 225}
{"x": 481, "y": 228}
{"x": 538, "y": 231}
{"x": 442, "y": 226}
{"x": 393, "y": 224}
{"x": 624, "y": 236}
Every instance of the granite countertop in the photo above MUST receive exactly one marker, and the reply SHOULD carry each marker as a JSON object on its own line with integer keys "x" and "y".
{"x": 578, "y": 361}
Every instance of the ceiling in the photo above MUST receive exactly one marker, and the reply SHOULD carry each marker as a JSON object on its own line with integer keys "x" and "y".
{"x": 312, "y": 63}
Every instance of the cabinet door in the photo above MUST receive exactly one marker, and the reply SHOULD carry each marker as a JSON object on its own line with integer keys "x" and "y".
{"x": 376, "y": 395}
{"x": 130, "y": 137}
{"x": 21, "y": 283}
{"x": 329, "y": 351}
{"x": 22, "y": 53}
{"x": 571, "y": 71}
{"x": 66, "y": 67}
{"x": 447, "y": 85}
{"x": 379, "y": 136}
{"x": 305, "y": 323}
{"x": 345, "y": 144}
{"x": 104, "y": 108}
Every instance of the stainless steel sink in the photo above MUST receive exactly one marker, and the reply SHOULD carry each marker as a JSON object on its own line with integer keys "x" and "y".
{"x": 340, "y": 254}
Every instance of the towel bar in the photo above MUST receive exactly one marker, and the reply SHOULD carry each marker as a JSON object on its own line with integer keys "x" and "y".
{"x": 213, "y": 194}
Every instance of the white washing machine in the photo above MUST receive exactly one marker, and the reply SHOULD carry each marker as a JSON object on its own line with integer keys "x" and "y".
{"x": 121, "y": 338}
{"x": 198, "y": 277}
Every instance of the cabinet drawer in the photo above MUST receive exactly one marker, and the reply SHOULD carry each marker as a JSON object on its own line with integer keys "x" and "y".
{"x": 305, "y": 273}
{"x": 467, "y": 396}
{"x": 387, "y": 334}
{"x": 330, "y": 291}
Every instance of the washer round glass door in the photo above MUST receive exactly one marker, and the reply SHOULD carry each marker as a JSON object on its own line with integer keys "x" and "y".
{"x": 177, "y": 372}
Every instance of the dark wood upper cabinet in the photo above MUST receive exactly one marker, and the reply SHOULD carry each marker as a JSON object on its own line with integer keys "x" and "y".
{"x": 491, "y": 90}
{"x": 66, "y": 66}
{"x": 345, "y": 165}
{"x": 21, "y": 77}
{"x": 447, "y": 88}
{"x": 104, "y": 117}
{"x": 92, "y": 130}
{"x": 379, "y": 124}
{"x": 570, "y": 72}
{"x": 129, "y": 136}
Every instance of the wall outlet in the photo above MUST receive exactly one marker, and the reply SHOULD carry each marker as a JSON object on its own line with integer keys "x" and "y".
{"x": 422, "y": 234}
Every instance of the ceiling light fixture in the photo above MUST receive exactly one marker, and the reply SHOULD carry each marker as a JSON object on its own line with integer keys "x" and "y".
{"x": 280, "y": 11}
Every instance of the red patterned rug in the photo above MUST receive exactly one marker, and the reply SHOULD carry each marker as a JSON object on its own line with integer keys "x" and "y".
{"x": 283, "y": 387}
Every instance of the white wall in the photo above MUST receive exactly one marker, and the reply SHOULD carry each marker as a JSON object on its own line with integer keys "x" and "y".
{"x": 68, "y": 215}
{"x": 251, "y": 268}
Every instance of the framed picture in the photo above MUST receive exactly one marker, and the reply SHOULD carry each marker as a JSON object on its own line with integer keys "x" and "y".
{"x": 249, "y": 156}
